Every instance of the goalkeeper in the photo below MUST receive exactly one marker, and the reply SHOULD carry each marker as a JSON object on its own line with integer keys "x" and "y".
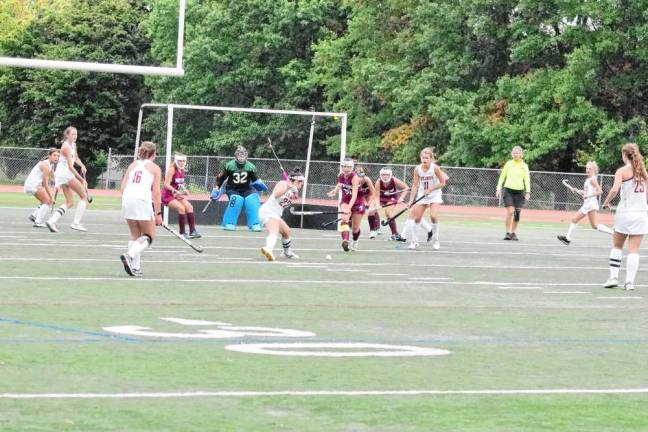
{"x": 240, "y": 182}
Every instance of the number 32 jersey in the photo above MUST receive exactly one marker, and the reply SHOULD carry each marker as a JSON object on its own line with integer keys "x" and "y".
{"x": 239, "y": 176}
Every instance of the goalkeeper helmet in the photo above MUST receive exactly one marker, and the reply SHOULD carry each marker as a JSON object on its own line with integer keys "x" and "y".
{"x": 241, "y": 154}
{"x": 386, "y": 174}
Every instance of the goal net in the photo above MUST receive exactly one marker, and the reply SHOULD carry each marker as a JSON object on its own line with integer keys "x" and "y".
{"x": 208, "y": 135}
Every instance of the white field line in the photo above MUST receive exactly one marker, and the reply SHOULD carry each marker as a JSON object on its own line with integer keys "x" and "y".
{"x": 308, "y": 393}
{"x": 269, "y": 282}
{"x": 621, "y": 298}
{"x": 233, "y": 260}
{"x": 390, "y": 274}
{"x": 567, "y": 292}
{"x": 519, "y": 288}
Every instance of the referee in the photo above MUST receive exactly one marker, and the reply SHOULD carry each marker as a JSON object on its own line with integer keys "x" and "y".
{"x": 514, "y": 188}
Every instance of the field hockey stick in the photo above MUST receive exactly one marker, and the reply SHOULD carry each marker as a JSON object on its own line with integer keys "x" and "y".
{"x": 284, "y": 173}
{"x": 54, "y": 200}
{"x": 570, "y": 187}
{"x": 325, "y": 224}
{"x": 370, "y": 209}
{"x": 211, "y": 200}
{"x": 88, "y": 196}
{"x": 313, "y": 213}
{"x": 178, "y": 235}
{"x": 386, "y": 222}
{"x": 396, "y": 192}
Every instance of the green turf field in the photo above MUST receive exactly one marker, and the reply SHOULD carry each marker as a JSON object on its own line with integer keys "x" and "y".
{"x": 530, "y": 340}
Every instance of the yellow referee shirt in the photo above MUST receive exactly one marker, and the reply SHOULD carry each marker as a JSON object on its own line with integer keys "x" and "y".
{"x": 515, "y": 175}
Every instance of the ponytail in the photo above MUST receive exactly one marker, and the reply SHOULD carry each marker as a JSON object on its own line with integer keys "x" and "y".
{"x": 632, "y": 153}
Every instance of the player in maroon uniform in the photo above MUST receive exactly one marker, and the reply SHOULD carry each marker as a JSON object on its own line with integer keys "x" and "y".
{"x": 174, "y": 195}
{"x": 352, "y": 204}
{"x": 392, "y": 191}
{"x": 367, "y": 191}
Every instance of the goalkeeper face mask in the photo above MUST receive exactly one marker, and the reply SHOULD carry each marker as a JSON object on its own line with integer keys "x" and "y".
{"x": 241, "y": 154}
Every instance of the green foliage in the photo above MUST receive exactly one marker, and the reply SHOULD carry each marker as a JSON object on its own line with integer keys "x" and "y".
{"x": 40, "y": 103}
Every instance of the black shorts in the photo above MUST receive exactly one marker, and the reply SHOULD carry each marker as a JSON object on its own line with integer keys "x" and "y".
{"x": 513, "y": 198}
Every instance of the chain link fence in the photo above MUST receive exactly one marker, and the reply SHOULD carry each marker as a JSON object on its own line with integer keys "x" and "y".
{"x": 466, "y": 186}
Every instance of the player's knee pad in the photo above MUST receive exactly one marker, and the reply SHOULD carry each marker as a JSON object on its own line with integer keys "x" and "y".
{"x": 516, "y": 214}
{"x": 252, "y": 205}
{"x": 149, "y": 239}
{"x": 234, "y": 206}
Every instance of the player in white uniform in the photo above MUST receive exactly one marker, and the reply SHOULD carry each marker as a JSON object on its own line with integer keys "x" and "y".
{"x": 427, "y": 182}
{"x": 282, "y": 196}
{"x": 37, "y": 184}
{"x": 631, "y": 218}
{"x": 141, "y": 206}
{"x": 590, "y": 193}
{"x": 68, "y": 179}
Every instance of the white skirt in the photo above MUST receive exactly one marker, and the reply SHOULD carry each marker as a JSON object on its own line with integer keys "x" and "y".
{"x": 136, "y": 209}
{"x": 62, "y": 177}
{"x": 31, "y": 188}
{"x": 631, "y": 223}
{"x": 589, "y": 205}
{"x": 434, "y": 198}
{"x": 268, "y": 212}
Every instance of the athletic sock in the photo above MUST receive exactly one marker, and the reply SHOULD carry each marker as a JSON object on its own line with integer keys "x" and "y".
{"x": 285, "y": 243}
{"x": 181, "y": 222}
{"x": 615, "y": 262}
{"x": 80, "y": 209}
{"x": 426, "y": 225}
{"x": 135, "y": 261}
{"x": 570, "y": 231}
{"x": 407, "y": 229}
{"x": 414, "y": 228}
{"x": 43, "y": 209}
{"x": 356, "y": 235}
{"x": 372, "y": 222}
{"x": 393, "y": 227}
{"x": 271, "y": 239}
{"x": 604, "y": 228}
{"x": 632, "y": 265}
{"x": 192, "y": 222}
{"x": 436, "y": 228}
{"x": 35, "y": 212}
{"x": 58, "y": 213}
{"x": 138, "y": 246}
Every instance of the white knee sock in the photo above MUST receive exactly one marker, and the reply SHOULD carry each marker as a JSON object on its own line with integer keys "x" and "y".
{"x": 615, "y": 262}
{"x": 426, "y": 225}
{"x": 415, "y": 231}
{"x": 285, "y": 243}
{"x": 35, "y": 212}
{"x": 604, "y": 228}
{"x": 408, "y": 228}
{"x": 270, "y": 241}
{"x": 137, "y": 247}
{"x": 58, "y": 213}
{"x": 570, "y": 231}
{"x": 436, "y": 227}
{"x": 78, "y": 213}
{"x": 41, "y": 213}
{"x": 632, "y": 265}
{"x": 135, "y": 261}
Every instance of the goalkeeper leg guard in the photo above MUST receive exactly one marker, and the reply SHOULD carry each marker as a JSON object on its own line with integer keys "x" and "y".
{"x": 230, "y": 218}
{"x": 252, "y": 204}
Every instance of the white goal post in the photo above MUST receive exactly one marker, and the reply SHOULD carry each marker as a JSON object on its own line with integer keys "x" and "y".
{"x": 342, "y": 116}
{"x": 177, "y": 71}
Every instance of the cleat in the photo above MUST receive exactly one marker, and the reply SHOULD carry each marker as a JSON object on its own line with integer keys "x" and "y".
{"x": 51, "y": 226}
{"x": 137, "y": 273}
{"x": 398, "y": 238}
{"x": 372, "y": 235}
{"x": 229, "y": 227}
{"x": 256, "y": 228}
{"x": 628, "y": 286}
{"x": 412, "y": 246}
{"x": 39, "y": 225}
{"x": 514, "y": 237}
{"x": 611, "y": 283}
{"x": 32, "y": 218}
{"x": 507, "y": 236}
{"x": 564, "y": 239}
{"x": 345, "y": 245}
{"x": 78, "y": 227}
{"x": 354, "y": 245}
{"x": 194, "y": 234}
{"x": 126, "y": 260}
{"x": 436, "y": 245}
{"x": 429, "y": 235}
{"x": 267, "y": 253}
{"x": 289, "y": 254}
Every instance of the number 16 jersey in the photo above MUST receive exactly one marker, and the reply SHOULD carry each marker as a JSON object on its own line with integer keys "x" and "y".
{"x": 139, "y": 183}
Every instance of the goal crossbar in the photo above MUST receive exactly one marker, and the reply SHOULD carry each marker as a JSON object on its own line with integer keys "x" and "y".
{"x": 177, "y": 71}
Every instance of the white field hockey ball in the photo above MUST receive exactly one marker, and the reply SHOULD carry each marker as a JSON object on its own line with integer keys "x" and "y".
{"x": 328, "y": 257}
